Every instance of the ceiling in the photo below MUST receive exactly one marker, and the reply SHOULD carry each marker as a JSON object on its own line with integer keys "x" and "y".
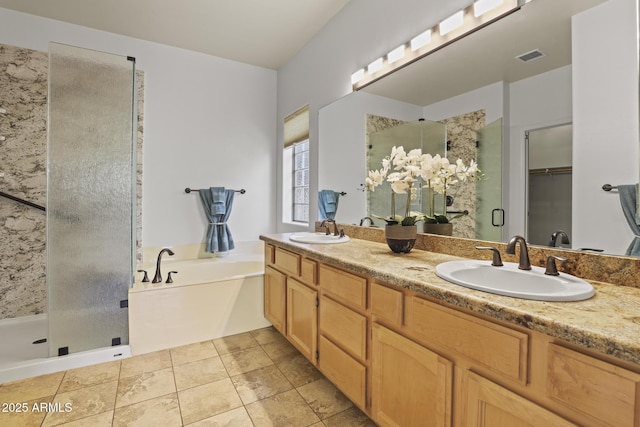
{"x": 489, "y": 55}
{"x": 258, "y": 32}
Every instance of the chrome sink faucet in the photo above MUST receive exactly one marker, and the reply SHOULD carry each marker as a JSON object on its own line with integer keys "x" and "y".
{"x": 524, "y": 263}
{"x": 158, "y": 277}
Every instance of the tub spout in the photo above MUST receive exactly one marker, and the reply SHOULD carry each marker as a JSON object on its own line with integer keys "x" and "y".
{"x": 158, "y": 277}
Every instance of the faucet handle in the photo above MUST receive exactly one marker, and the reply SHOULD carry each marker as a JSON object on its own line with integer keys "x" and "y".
{"x": 497, "y": 261}
{"x": 169, "y": 278}
{"x": 551, "y": 269}
{"x": 145, "y": 278}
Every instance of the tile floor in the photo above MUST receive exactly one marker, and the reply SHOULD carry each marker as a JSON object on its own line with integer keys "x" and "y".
{"x": 252, "y": 379}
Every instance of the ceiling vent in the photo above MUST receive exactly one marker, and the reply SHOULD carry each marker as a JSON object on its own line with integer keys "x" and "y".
{"x": 530, "y": 56}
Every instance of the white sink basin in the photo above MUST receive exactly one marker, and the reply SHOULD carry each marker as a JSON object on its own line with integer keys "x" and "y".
{"x": 318, "y": 238}
{"x": 510, "y": 281}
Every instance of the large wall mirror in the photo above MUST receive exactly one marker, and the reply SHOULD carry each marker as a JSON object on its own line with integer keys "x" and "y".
{"x": 479, "y": 83}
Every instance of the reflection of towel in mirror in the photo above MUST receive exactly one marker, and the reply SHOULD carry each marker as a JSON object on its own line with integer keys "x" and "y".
{"x": 638, "y": 203}
{"x": 327, "y": 204}
{"x": 629, "y": 202}
{"x": 218, "y": 206}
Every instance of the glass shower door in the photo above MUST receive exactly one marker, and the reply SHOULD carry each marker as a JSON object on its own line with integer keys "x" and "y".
{"x": 489, "y": 211}
{"x": 90, "y": 198}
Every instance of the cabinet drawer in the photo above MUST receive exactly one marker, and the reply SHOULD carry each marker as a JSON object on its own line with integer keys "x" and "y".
{"x": 602, "y": 390}
{"x": 287, "y": 261}
{"x": 344, "y": 326}
{"x": 308, "y": 271}
{"x": 342, "y": 370}
{"x": 500, "y": 349}
{"x": 387, "y": 304}
{"x": 345, "y": 287}
{"x": 269, "y": 254}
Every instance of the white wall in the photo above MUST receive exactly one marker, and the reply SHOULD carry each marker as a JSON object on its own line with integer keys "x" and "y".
{"x": 605, "y": 118}
{"x": 490, "y": 98}
{"x": 208, "y": 122}
{"x": 321, "y": 72}
{"x": 342, "y": 155}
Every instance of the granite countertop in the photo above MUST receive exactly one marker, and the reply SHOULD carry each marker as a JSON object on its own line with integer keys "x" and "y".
{"x": 608, "y": 323}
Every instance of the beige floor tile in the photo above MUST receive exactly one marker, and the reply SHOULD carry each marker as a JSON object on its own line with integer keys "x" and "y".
{"x": 265, "y": 335}
{"x": 234, "y": 418}
{"x": 22, "y": 414}
{"x": 324, "y": 398}
{"x": 160, "y": 411}
{"x": 298, "y": 370}
{"x": 280, "y": 349}
{"x": 352, "y": 417}
{"x": 90, "y": 375}
{"x": 83, "y": 403}
{"x": 31, "y": 388}
{"x": 146, "y": 386}
{"x": 199, "y": 372}
{"x": 234, "y": 343}
{"x": 192, "y": 352}
{"x": 284, "y": 409}
{"x": 260, "y": 383}
{"x": 103, "y": 419}
{"x": 148, "y": 362}
{"x": 245, "y": 360}
{"x": 207, "y": 400}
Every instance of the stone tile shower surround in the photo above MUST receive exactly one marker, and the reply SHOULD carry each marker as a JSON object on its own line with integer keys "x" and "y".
{"x": 23, "y": 157}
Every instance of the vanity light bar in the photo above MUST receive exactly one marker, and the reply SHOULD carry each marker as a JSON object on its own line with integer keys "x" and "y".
{"x": 464, "y": 22}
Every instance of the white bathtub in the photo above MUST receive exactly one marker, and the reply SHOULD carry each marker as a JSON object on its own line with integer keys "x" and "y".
{"x": 210, "y": 298}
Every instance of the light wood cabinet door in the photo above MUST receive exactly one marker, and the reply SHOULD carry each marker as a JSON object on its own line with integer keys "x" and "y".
{"x": 411, "y": 385}
{"x": 275, "y": 288}
{"x": 302, "y": 319}
{"x": 490, "y": 405}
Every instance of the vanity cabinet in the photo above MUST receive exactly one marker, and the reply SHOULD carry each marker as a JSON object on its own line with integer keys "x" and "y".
{"x": 343, "y": 325}
{"x": 408, "y": 359}
{"x": 488, "y": 404}
{"x": 275, "y": 298}
{"x": 302, "y": 317}
{"x": 291, "y": 298}
{"x": 411, "y": 385}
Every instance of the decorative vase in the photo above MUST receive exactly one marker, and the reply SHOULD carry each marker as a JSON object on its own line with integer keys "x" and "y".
{"x": 401, "y": 238}
{"x": 445, "y": 229}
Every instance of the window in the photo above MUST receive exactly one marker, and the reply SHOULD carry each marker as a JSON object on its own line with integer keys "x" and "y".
{"x": 295, "y": 167}
{"x": 301, "y": 181}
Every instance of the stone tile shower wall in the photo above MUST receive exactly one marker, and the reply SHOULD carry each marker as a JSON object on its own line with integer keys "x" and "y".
{"x": 461, "y": 132}
{"x": 23, "y": 94}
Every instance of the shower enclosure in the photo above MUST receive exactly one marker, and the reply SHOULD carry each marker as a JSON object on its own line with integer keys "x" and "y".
{"x": 90, "y": 232}
{"x": 429, "y": 136}
{"x": 90, "y": 195}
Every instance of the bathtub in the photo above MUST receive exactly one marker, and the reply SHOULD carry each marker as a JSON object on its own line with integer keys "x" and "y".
{"x": 211, "y": 296}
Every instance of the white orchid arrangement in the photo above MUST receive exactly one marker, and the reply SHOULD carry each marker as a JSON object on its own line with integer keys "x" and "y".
{"x": 408, "y": 170}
